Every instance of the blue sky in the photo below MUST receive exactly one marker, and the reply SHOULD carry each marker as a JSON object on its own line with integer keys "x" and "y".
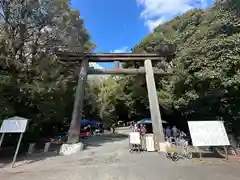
{"x": 116, "y": 26}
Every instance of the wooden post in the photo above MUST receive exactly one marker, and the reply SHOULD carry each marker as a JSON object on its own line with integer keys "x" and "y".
{"x": 154, "y": 105}
{"x": 74, "y": 130}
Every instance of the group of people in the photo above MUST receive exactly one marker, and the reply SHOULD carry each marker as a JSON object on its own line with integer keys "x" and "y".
{"x": 141, "y": 129}
{"x": 173, "y": 134}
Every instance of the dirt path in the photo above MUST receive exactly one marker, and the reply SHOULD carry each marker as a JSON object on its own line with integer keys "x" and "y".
{"x": 108, "y": 158}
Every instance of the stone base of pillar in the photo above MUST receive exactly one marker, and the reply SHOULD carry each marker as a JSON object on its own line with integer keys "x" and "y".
{"x": 69, "y": 149}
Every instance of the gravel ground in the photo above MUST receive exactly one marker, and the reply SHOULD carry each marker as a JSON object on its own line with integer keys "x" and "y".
{"x": 108, "y": 158}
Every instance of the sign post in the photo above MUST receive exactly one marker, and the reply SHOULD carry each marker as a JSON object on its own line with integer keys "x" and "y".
{"x": 14, "y": 125}
{"x": 208, "y": 133}
{"x": 16, "y": 152}
{"x": 1, "y": 140}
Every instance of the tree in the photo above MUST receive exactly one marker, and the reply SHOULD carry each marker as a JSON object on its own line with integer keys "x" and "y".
{"x": 206, "y": 81}
{"x": 111, "y": 93}
{"x": 33, "y": 83}
{"x": 92, "y": 104}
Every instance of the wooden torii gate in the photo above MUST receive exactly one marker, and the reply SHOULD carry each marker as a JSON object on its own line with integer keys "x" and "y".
{"x": 148, "y": 70}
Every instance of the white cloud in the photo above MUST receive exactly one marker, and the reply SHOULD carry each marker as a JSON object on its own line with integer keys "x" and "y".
{"x": 95, "y": 65}
{"x": 121, "y": 50}
{"x": 156, "y": 12}
{"x": 153, "y": 23}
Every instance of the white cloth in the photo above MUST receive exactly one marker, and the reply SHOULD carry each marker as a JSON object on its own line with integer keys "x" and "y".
{"x": 167, "y": 146}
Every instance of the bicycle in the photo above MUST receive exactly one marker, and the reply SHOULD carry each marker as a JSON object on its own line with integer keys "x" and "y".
{"x": 174, "y": 156}
{"x": 174, "y": 153}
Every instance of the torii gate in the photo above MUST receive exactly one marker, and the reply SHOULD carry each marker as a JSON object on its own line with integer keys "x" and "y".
{"x": 84, "y": 59}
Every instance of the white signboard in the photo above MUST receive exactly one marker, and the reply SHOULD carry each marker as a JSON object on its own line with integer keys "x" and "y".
{"x": 150, "y": 142}
{"x": 14, "y": 125}
{"x": 208, "y": 133}
{"x": 135, "y": 138}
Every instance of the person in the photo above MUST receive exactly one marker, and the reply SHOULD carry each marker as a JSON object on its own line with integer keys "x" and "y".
{"x": 168, "y": 134}
{"x": 175, "y": 133}
{"x": 89, "y": 130}
{"x": 135, "y": 128}
{"x": 142, "y": 130}
{"x": 113, "y": 128}
{"x": 142, "y": 135}
{"x": 145, "y": 129}
{"x": 182, "y": 134}
{"x": 164, "y": 133}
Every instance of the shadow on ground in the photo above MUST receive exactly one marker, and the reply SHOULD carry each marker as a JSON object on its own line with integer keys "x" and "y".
{"x": 207, "y": 155}
{"x": 213, "y": 153}
{"x": 24, "y": 159}
{"x": 96, "y": 141}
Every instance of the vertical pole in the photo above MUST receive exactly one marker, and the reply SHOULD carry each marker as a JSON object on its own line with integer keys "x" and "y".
{"x": 154, "y": 105}
{"x": 1, "y": 140}
{"x": 16, "y": 152}
{"x": 74, "y": 130}
{"x": 199, "y": 152}
{"x": 226, "y": 152}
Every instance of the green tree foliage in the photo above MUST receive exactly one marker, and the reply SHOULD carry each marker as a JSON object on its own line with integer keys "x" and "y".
{"x": 111, "y": 94}
{"x": 33, "y": 84}
{"x": 207, "y": 64}
{"x": 122, "y": 98}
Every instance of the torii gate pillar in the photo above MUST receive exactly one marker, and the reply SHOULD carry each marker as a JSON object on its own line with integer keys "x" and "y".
{"x": 73, "y": 145}
{"x": 73, "y": 134}
{"x": 154, "y": 105}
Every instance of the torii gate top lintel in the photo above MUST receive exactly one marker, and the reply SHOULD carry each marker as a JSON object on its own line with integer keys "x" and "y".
{"x": 110, "y": 57}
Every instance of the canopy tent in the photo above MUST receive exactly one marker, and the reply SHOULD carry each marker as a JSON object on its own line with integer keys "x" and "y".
{"x": 148, "y": 121}
{"x": 86, "y": 122}
{"x": 96, "y": 122}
